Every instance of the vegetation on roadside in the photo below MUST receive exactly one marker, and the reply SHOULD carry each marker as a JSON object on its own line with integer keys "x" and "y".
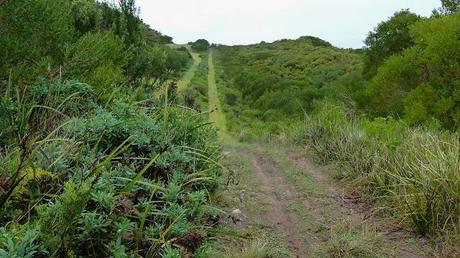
{"x": 411, "y": 172}
{"x": 96, "y": 160}
{"x": 271, "y": 82}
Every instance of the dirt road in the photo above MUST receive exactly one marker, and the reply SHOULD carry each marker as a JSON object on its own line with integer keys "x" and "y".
{"x": 296, "y": 207}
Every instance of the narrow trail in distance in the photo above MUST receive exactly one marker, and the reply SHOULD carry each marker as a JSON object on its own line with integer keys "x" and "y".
{"x": 188, "y": 76}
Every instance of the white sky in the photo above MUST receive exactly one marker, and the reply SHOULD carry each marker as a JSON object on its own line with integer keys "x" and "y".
{"x": 344, "y": 23}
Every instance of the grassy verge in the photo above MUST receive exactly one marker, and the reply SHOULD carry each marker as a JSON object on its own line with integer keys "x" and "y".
{"x": 411, "y": 173}
{"x": 188, "y": 76}
{"x": 195, "y": 96}
{"x": 216, "y": 115}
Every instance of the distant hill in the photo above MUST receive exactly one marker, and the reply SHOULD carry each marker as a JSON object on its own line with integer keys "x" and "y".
{"x": 284, "y": 77}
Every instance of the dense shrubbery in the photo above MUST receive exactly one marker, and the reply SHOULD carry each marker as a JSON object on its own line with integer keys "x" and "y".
{"x": 93, "y": 41}
{"x": 91, "y": 163}
{"x": 126, "y": 180}
{"x": 409, "y": 69}
{"x": 98, "y": 59}
{"x": 422, "y": 83}
{"x": 280, "y": 80}
{"x": 389, "y": 38}
{"x": 34, "y": 35}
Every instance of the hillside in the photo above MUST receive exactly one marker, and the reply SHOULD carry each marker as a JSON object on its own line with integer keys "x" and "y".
{"x": 275, "y": 81}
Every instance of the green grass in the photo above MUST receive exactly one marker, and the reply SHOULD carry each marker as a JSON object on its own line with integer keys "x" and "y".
{"x": 410, "y": 172}
{"x": 216, "y": 115}
{"x": 188, "y": 76}
{"x": 296, "y": 174}
{"x": 351, "y": 240}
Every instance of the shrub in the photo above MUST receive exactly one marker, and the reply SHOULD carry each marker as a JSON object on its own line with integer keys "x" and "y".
{"x": 98, "y": 59}
{"x": 87, "y": 168}
{"x": 422, "y": 83}
{"x": 44, "y": 106}
{"x": 20, "y": 243}
{"x": 121, "y": 178}
{"x": 200, "y": 45}
{"x": 27, "y": 29}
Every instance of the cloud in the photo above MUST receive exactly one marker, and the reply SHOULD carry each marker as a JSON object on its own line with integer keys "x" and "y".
{"x": 343, "y": 23}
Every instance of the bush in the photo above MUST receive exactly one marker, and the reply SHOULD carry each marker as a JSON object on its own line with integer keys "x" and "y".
{"x": 389, "y": 38}
{"x": 88, "y": 165}
{"x": 120, "y": 176}
{"x": 34, "y": 34}
{"x": 200, "y": 45}
{"x": 422, "y": 83}
{"x": 98, "y": 59}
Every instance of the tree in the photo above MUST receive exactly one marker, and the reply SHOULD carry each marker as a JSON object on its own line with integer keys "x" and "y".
{"x": 33, "y": 36}
{"x": 130, "y": 17}
{"x": 200, "y": 45}
{"x": 448, "y": 7}
{"x": 423, "y": 82}
{"x": 86, "y": 15}
{"x": 389, "y": 38}
{"x": 97, "y": 58}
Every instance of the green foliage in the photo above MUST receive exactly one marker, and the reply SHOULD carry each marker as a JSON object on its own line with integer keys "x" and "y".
{"x": 317, "y": 42}
{"x": 60, "y": 218}
{"x": 158, "y": 62}
{"x": 46, "y": 105}
{"x": 389, "y": 38}
{"x": 86, "y": 15}
{"x": 448, "y": 7}
{"x": 347, "y": 241}
{"x": 272, "y": 82}
{"x": 170, "y": 253}
{"x": 385, "y": 90}
{"x": 196, "y": 95}
{"x": 95, "y": 42}
{"x": 92, "y": 162}
{"x": 20, "y": 243}
{"x": 9, "y": 120}
{"x": 110, "y": 150}
{"x": 158, "y": 37}
{"x": 422, "y": 83}
{"x": 131, "y": 21}
{"x": 27, "y": 29}
{"x": 125, "y": 191}
{"x": 98, "y": 59}
{"x": 200, "y": 45}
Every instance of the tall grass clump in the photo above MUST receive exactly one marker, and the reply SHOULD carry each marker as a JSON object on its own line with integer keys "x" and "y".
{"x": 414, "y": 172}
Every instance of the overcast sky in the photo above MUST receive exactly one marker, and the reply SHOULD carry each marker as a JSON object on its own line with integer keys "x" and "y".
{"x": 344, "y": 23}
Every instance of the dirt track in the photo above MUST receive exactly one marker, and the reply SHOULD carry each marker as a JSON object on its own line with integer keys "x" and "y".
{"x": 305, "y": 217}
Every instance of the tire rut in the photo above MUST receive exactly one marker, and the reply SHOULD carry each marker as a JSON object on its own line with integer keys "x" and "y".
{"x": 352, "y": 209}
{"x": 277, "y": 193}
